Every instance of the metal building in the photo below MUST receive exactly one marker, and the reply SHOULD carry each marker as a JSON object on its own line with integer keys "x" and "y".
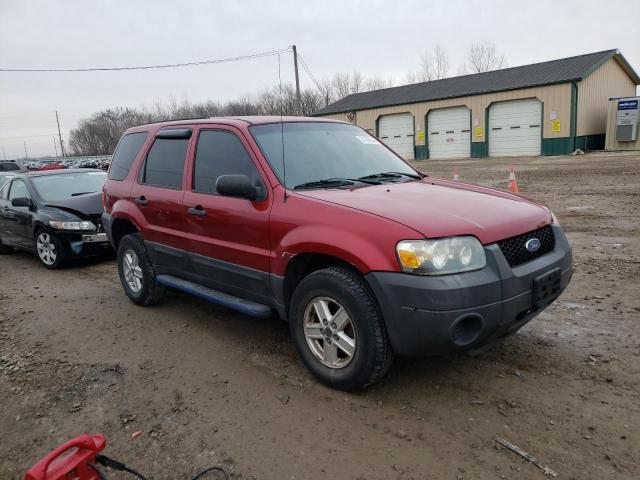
{"x": 549, "y": 108}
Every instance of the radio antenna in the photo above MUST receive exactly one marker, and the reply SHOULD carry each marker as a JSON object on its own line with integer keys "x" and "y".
{"x": 284, "y": 165}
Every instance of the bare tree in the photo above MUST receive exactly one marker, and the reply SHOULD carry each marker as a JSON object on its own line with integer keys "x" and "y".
{"x": 341, "y": 84}
{"x": 357, "y": 82}
{"x": 483, "y": 57}
{"x": 434, "y": 65}
{"x": 325, "y": 87}
{"x": 378, "y": 83}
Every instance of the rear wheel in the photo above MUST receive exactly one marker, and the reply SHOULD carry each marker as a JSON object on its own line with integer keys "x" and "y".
{"x": 49, "y": 249}
{"x": 136, "y": 272}
{"x": 338, "y": 329}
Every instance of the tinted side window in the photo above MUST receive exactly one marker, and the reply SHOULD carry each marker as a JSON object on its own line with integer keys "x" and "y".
{"x": 18, "y": 190}
{"x": 165, "y": 163}
{"x": 220, "y": 153}
{"x": 125, "y": 154}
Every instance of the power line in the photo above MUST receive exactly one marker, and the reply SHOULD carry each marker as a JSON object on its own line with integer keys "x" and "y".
{"x": 306, "y": 68}
{"x": 151, "y": 67}
{"x": 33, "y": 136}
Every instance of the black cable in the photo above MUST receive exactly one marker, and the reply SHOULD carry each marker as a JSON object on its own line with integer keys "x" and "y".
{"x": 116, "y": 465}
{"x": 97, "y": 470}
{"x": 150, "y": 67}
{"x": 212, "y": 469}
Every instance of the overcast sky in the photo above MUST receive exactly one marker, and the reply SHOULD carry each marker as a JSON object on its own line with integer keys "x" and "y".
{"x": 375, "y": 37}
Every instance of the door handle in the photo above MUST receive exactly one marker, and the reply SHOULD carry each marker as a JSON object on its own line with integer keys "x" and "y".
{"x": 198, "y": 211}
{"x": 141, "y": 200}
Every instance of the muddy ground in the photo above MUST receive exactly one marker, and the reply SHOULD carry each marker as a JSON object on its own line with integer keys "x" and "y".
{"x": 209, "y": 386}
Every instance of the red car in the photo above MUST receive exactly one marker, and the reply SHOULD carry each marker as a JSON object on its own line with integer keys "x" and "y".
{"x": 318, "y": 221}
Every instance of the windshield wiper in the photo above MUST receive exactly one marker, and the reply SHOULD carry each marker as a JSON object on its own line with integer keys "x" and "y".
{"x": 337, "y": 181}
{"x": 393, "y": 175}
{"x": 77, "y": 194}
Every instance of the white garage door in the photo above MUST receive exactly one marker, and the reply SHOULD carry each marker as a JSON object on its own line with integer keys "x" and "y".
{"x": 449, "y": 133}
{"x": 515, "y": 128}
{"x": 396, "y": 131}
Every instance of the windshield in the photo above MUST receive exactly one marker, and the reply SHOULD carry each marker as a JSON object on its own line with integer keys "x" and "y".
{"x": 52, "y": 188}
{"x": 316, "y": 151}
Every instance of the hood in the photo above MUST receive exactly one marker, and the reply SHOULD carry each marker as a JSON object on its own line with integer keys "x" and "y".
{"x": 82, "y": 205}
{"x": 439, "y": 208}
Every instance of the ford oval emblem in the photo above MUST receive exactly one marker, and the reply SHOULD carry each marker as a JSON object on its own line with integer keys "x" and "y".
{"x": 532, "y": 245}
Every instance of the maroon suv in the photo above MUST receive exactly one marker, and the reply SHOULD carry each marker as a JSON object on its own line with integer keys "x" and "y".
{"x": 318, "y": 221}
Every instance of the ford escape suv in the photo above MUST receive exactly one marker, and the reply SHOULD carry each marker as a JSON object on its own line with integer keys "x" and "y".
{"x": 319, "y": 222}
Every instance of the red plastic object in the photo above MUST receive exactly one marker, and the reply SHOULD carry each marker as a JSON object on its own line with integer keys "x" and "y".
{"x": 73, "y": 466}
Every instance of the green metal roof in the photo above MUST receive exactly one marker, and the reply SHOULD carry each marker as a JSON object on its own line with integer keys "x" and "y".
{"x": 526, "y": 76}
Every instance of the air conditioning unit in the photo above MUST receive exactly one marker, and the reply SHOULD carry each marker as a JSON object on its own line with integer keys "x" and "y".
{"x": 627, "y": 119}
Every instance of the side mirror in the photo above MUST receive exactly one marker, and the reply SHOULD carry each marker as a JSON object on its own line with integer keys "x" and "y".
{"x": 236, "y": 186}
{"x": 22, "y": 202}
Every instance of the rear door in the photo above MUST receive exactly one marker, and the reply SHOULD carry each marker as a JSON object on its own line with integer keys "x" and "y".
{"x": 228, "y": 236}
{"x": 157, "y": 197}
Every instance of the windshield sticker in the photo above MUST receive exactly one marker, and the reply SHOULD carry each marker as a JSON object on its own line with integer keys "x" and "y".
{"x": 367, "y": 139}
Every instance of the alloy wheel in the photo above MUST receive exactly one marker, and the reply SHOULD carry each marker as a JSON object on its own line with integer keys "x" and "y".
{"x": 329, "y": 332}
{"x": 132, "y": 270}
{"x": 46, "y": 249}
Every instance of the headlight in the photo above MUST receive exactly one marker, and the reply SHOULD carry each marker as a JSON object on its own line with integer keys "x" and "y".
{"x": 441, "y": 256}
{"x": 86, "y": 225}
{"x": 554, "y": 219}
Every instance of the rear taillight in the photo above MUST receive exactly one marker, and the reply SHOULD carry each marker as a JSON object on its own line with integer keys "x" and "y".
{"x": 106, "y": 207}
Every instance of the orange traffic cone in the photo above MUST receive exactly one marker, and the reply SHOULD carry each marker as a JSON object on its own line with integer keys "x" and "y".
{"x": 513, "y": 183}
{"x": 456, "y": 176}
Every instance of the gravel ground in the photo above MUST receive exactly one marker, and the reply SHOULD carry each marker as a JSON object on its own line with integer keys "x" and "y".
{"x": 209, "y": 386}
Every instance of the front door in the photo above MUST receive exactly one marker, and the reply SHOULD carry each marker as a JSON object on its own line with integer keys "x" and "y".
{"x": 228, "y": 237}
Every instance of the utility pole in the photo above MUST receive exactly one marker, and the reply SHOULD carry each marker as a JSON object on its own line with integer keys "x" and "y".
{"x": 4, "y": 153}
{"x": 26, "y": 155}
{"x": 295, "y": 66}
{"x": 55, "y": 146}
{"x": 60, "y": 135}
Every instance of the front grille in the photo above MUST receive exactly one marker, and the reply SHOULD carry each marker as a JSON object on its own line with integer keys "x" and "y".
{"x": 516, "y": 253}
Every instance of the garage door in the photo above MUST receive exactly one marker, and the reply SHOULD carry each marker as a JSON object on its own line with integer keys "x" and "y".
{"x": 514, "y": 128}
{"x": 449, "y": 133}
{"x": 396, "y": 131}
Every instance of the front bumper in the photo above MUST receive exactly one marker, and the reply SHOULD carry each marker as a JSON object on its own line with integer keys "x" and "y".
{"x": 435, "y": 315}
{"x": 84, "y": 244}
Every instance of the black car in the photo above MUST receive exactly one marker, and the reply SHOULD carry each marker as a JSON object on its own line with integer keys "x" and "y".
{"x": 55, "y": 214}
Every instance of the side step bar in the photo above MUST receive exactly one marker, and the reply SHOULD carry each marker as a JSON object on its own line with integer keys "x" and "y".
{"x": 243, "y": 306}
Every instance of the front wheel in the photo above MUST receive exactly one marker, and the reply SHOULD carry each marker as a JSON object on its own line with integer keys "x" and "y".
{"x": 5, "y": 249}
{"x": 49, "y": 249}
{"x": 338, "y": 329}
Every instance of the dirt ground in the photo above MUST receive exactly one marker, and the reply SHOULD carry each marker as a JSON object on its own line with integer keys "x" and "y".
{"x": 209, "y": 386}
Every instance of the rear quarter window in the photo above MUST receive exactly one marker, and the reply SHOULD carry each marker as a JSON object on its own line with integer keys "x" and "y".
{"x": 125, "y": 154}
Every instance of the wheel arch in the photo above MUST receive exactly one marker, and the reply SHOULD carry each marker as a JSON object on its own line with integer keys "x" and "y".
{"x": 303, "y": 264}
{"x": 119, "y": 228}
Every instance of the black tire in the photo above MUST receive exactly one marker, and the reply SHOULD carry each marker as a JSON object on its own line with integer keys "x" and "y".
{"x": 150, "y": 291}
{"x": 5, "y": 249}
{"x": 373, "y": 354}
{"x": 56, "y": 257}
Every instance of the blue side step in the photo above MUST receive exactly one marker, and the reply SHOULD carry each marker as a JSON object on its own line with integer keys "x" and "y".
{"x": 243, "y": 306}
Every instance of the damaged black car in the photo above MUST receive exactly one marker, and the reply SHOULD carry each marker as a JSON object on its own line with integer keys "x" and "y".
{"x": 56, "y": 214}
